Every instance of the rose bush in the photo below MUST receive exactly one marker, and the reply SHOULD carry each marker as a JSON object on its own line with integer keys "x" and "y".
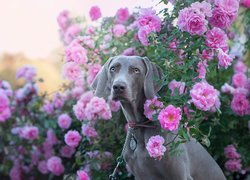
{"x": 205, "y": 93}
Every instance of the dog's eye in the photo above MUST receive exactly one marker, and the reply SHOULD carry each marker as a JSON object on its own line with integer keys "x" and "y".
{"x": 136, "y": 70}
{"x": 112, "y": 69}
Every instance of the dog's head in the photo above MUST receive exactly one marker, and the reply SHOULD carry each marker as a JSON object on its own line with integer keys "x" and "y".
{"x": 126, "y": 77}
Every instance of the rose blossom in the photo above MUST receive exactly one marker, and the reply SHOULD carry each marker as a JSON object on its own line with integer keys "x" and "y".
{"x": 72, "y": 138}
{"x": 89, "y": 131}
{"x": 239, "y": 80}
{"x": 64, "y": 121}
{"x": 71, "y": 71}
{"x": 151, "y": 107}
{"x": 245, "y": 3}
{"x": 178, "y": 85}
{"x": 216, "y": 38}
{"x": 224, "y": 59}
{"x": 204, "y": 96}
{"x": 207, "y": 54}
{"x": 55, "y": 165}
{"x": 155, "y": 147}
{"x": 42, "y": 167}
{"x": 233, "y": 165}
{"x": 63, "y": 20}
{"x": 119, "y": 30}
{"x": 192, "y": 21}
{"x": 240, "y": 67}
{"x": 204, "y": 7}
{"x": 114, "y": 105}
{"x": 230, "y": 152}
{"x": 129, "y": 52}
{"x": 67, "y": 151}
{"x": 226, "y": 88}
{"x": 82, "y": 175}
{"x": 29, "y": 132}
{"x": 79, "y": 108}
{"x": 76, "y": 53}
{"x": 170, "y": 117}
{"x": 122, "y": 15}
{"x": 93, "y": 69}
{"x": 202, "y": 69}
{"x": 27, "y": 72}
{"x": 71, "y": 33}
{"x": 6, "y": 88}
{"x": 95, "y": 13}
{"x": 143, "y": 36}
{"x": 239, "y": 104}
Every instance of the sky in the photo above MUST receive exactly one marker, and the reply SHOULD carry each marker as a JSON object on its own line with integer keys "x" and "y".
{"x": 30, "y": 27}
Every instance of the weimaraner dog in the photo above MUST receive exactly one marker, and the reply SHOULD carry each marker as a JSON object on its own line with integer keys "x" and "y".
{"x": 131, "y": 80}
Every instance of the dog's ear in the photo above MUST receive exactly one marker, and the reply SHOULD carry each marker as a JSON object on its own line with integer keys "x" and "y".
{"x": 153, "y": 78}
{"x": 101, "y": 83}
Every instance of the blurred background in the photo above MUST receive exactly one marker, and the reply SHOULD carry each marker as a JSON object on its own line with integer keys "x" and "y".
{"x": 29, "y": 34}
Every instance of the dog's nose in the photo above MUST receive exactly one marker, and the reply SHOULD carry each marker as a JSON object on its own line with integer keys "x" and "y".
{"x": 119, "y": 87}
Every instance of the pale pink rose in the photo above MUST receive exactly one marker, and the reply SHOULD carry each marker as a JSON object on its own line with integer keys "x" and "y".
{"x": 245, "y": 3}
{"x": 241, "y": 90}
{"x": 143, "y": 36}
{"x": 192, "y": 21}
{"x": 122, "y": 15}
{"x": 202, "y": 69}
{"x": 240, "y": 104}
{"x": 155, "y": 147}
{"x": 71, "y": 71}
{"x": 97, "y": 108}
{"x": 152, "y": 107}
{"x": 42, "y": 167}
{"x": 233, "y": 165}
{"x": 71, "y": 33}
{"x": 119, "y": 30}
{"x": 55, "y": 165}
{"x": 224, "y": 59}
{"x": 239, "y": 80}
{"x": 58, "y": 100}
{"x": 90, "y": 30}
{"x": 27, "y": 72}
{"x": 170, "y": 117}
{"x": 230, "y": 6}
{"x": 76, "y": 92}
{"x": 176, "y": 85}
{"x": 95, "y": 13}
{"x": 72, "y": 138}
{"x": 64, "y": 121}
{"x": 149, "y": 21}
{"x": 82, "y": 175}
{"x": 67, "y": 151}
{"x": 76, "y": 53}
{"x": 79, "y": 108}
{"x": 93, "y": 69}
{"x": 89, "y": 131}
{"x": 216, "y": 38}
{"x": 240, "y": 67}
{"x": 226, "y": 88}
{"x": 204, "y": 7}
{"x": 204, "y": 96}
{"x": 88, "y": 41}
{"x": 5, "y": 112}
{"x": 114, "y": 105}
{"x": 230, "y": 152}
{"x": 29, "y": 132}
{"x": 63, "y": 20}
{"x": 129, "y": 52}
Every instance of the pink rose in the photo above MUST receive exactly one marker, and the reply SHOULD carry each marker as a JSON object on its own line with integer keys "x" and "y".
{"x": 216, "y": 38}
{"x": 27, "y": 72}
{"x": 55, "y": 165}
{"x": 245, "y": 3}
{"x": 72, "y": 138}
{"x": 95, "y": 13}
{"x": 5, "y": 112}
{"x": 42, "y": 167}
{"x": 63, "y": 20}
{"x": 230, "y": 152}
{"x": 240, "y": 104}
{"x": 239, "y": 80}
{"x": 233, "y": 165}
{"x": 155, "y": 147}
{"x": 122, "y": 15}
{"x": 71, "y": 71}
{"x": 67, "y": 151}
{"x": 170, "y": 117}
{"x": 93, "y": 69}
{"x": 82, "y": 175}
{"x": 224, "y": 59}
{"x": 29, "y": 132}
{"x": 89, "y": 131}
{"x": 151, "y": 107}
{"x": 240, "y": 67}
{"x": 71, "y": 33}
{"x": 64, "y": 121}
{"x": 176, "y": 85}
{"x": 76, "y": 53}
{"x": 119, "y": 30}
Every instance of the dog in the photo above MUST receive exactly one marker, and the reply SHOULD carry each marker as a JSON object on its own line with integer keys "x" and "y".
{"x": 132, "y": 80}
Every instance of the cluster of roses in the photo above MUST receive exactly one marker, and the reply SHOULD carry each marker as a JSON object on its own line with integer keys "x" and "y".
{"x": 233, "y": 163}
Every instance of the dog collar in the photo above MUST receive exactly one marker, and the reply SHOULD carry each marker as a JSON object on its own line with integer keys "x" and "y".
{"x": 134, "y": 125}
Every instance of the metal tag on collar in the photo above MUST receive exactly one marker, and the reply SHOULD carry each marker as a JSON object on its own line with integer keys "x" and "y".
{"x": 132, "y": 143}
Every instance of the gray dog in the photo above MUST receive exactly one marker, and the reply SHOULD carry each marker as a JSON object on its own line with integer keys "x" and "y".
{"x": 131, "y": 80}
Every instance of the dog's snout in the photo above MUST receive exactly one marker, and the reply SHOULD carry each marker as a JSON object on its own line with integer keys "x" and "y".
{"x": 119, "y": 87}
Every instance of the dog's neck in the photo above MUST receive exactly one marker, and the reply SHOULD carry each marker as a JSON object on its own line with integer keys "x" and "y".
{"x": 134, "y": 111}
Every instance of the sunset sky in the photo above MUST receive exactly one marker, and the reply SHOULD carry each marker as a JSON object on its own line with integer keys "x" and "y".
{"x": 30, "y": 27}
